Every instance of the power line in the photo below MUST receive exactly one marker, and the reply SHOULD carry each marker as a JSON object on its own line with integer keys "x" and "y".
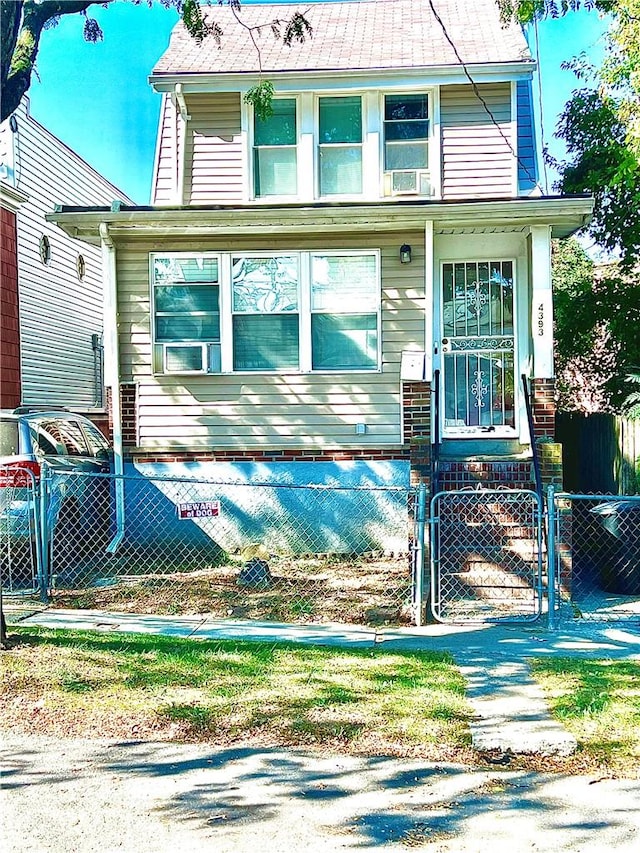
{"x": 542, "y": 133}
{"x": 481, "y": 99}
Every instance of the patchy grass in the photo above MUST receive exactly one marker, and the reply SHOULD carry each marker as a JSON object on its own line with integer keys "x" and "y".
{"x": 68, "y": 683}
{"x": 599, "y": 702}
{"x": 362, "y": 589}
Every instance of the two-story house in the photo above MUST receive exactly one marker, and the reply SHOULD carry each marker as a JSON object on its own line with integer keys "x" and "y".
{"x": 359, "y": 275}
{"x": 51, "y": 284}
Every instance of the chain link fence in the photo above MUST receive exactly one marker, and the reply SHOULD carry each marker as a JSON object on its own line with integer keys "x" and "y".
{"x": 246, "y": 550}
{"x": 315, "y": 553}
{"x": 486, "y": 555}
{"x": 19, "y": 530}
{"x": 597, "y": 548}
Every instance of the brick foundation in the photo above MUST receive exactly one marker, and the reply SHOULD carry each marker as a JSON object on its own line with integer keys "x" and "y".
{"x": 293, "y": 455}
{"x": 490, "y": 475}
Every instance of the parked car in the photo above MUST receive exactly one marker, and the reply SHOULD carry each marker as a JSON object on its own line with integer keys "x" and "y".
{"x": 77, "y": 508}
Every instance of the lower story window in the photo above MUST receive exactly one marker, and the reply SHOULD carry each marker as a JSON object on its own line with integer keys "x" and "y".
{"x": 299, "y": 311}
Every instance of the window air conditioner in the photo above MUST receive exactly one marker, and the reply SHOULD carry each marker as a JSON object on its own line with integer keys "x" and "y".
{"x": 187, "y": 358}
{"x": 407, "y": 182}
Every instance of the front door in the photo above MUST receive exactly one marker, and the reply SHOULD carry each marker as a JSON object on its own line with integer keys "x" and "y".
{"x": 478, "y": 349}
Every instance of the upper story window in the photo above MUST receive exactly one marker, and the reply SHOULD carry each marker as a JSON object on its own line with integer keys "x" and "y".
{"x": 275, "y": 164}
{"x": 340, "y": 145}
{"x": 406, "y": 142}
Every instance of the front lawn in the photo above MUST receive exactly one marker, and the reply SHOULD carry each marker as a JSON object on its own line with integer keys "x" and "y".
{"x": 599, "y": 702}
{"x": 73, "y": 683}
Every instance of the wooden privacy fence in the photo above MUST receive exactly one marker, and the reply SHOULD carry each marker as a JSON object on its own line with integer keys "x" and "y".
{"x": 601, "y": 453}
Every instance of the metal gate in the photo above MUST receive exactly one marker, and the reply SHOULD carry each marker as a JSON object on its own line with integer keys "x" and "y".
{"x": 19, "y": 539}
{"x": 486, "y": 555}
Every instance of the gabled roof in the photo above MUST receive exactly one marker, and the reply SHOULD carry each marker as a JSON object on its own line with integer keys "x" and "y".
{"x": 362, "y": 35}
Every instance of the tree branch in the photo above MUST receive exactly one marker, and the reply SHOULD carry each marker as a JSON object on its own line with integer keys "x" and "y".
{"x": 23, "y": 33}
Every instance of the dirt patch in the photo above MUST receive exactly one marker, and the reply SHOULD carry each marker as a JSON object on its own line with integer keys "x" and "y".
{"x": 369, "y": 590}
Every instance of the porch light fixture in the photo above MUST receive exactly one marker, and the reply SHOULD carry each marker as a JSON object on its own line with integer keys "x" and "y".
{"x": 405, "y": 253}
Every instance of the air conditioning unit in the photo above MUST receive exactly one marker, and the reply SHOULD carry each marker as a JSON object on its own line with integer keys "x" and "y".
{"x": 407, "y": 182}
{"x": 187, "y": 357}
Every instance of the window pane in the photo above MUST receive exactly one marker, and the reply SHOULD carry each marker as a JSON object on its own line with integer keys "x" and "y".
{"x": 185, "y": 298}
{"x": 275, "y": 171}
{"x": 279, "y": 128}
{"x": 340, "y": 171}
{"x": 265, "y": 342}
{"x": 340, "y": 120}
{"x": 181, "y": 359}
{"x": 265, "y": 285}
{"x": 188, "y": 328}
{"x": 344, "y": 341}
{"x": 406, "y": 156}
{"x": 341, "y": 284}
{"x": 185, "y": 269}
{"x": 398, "y": 130}
{"x": 403, "y": 107}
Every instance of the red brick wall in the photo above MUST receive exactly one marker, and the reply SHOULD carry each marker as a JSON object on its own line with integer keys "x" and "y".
{"x": 296, "y": 455}
{"x": 10, "y": 383}
{"x": 129, "y": 403}
{"x": 544, "y": 407}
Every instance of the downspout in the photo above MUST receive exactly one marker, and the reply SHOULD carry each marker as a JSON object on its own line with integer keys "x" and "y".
{"x": 112, "y": 376}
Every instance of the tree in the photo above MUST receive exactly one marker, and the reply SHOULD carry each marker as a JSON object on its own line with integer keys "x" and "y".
{"x": 601, "y": 122}
{"x": 22, "y": 23}
{"x": 597, "y": 315}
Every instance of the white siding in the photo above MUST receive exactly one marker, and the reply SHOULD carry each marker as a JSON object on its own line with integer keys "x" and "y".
{"x": 58, "y": 312}
{"x": 164, "y": 178}
{"x": 477, "y": 157}
{"x": 256, "y": 411}
{"x": 213, "y": 161}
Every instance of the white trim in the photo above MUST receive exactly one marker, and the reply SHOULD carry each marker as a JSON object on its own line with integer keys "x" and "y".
{"x": 513, "y": 133}
{"x": 430, "y": 279}
{"x": 11, "y": 199}
{"x": 541, "y": 302}
{"x": 499, "y": 431}
{"x": 304, "y": 312}
{"x": 375, "y": 78}
{"x": 248, "y": 156}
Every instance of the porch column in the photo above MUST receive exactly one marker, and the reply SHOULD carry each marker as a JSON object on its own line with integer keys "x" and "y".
{"x": 543, "y": 383}
{"x": 542, "y": 302}
{"x": 429, "y": 283}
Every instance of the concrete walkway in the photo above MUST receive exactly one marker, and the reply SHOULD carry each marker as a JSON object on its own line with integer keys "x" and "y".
{"x": 511, "y": 714}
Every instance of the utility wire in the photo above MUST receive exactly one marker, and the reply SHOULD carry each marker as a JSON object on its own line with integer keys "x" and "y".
{"x": 481, "y": 99}
{"x": 542, "y": 133}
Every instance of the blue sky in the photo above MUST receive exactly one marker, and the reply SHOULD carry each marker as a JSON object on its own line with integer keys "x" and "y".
{"x": 96, "y": 97}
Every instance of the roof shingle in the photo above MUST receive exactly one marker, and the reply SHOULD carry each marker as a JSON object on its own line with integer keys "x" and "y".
{"x": 356, "y": 35}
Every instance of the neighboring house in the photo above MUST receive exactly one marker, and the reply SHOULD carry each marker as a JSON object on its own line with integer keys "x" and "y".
{"x": 52, "y": 284}
{"x": 300, "y": 284}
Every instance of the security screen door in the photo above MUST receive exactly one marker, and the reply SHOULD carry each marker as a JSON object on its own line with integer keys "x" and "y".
{"x": 478, "y": 347}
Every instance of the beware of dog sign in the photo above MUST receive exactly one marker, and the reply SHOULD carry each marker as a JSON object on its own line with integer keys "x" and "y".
{"x": 199, "y": 509}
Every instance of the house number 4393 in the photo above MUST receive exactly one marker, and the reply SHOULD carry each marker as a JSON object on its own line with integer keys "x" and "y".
{"x": 541, "y": 322}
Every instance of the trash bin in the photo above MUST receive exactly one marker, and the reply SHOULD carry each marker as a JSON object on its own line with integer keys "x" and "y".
{"x": 619, "y": 551}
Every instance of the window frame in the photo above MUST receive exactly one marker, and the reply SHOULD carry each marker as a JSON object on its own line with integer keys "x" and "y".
{"x": 349, "y": 253}
{"x": 159, "y": 348}
{"x": 383, "y": 126}
{"x": 304, "y": 313}
{"x": 252, "y": 148}
{"x": 318, "y": 145}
